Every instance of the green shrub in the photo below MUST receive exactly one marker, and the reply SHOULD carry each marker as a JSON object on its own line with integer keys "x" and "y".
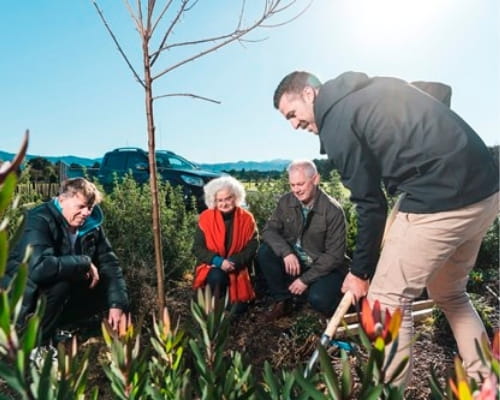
{"x": 128, "y": 225}
{"x": 489, "y": 251}
{"x": 263, "y": 196}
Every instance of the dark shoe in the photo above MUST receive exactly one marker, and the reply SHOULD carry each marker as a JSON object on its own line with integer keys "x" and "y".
{"x": 237, "y": 309}
{"x": 280, "y": 309}
{"x": 62, "y": 336}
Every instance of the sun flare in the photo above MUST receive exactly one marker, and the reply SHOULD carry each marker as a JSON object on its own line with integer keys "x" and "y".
{"x": 392, "y": 21}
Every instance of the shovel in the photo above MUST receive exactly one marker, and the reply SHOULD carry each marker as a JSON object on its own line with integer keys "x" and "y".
{"x": 348, "y": 298}
{"x": 331, "y": 328}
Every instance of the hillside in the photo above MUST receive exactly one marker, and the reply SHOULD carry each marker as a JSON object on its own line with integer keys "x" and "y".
{"x": 87, "y": 162}
{"x": 273, "y": 165}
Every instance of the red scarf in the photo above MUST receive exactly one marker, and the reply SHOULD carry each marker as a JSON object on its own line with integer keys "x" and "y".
{"x": 213, "y": 227}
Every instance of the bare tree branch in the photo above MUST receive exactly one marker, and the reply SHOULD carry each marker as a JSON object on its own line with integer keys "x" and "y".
{"x": 146, "y": 29}
{"x": 191, "y": 6}
{"x": 137, "y": 77}
{"x": 271, "y": 8}
{"x": 187, "y": 95}
{"x": 156, "y": 54}
{"x": 212, "y": 39}
{"x": 139, "y": 13}
{"x": 242, "y": 13}
{"x": 137, "y": 21}
{"x": 290, "y": 19}
{"x": 151, "y": 7}
{"x": 160, "y": 17}
{"x": 201, "y": 54}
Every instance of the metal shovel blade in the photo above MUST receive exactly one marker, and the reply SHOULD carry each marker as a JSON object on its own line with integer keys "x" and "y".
{"x": 331, "y": 328}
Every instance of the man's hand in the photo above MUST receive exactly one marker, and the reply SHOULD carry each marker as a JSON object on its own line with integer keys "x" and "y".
{"x": 227, "y": 266}
{"x": 297, "y": 287}
{"x": 114, "y": 317}
{"x": 357, "y": 286}
{"x": 93, "y": 275}
{"x": 292, "y": 265}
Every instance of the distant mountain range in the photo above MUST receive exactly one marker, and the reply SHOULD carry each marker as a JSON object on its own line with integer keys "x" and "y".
{"x": 273, "y": 165}
{"x": 87, "y": 162}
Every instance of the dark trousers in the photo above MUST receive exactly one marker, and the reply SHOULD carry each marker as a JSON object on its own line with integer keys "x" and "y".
{"x": 218, "y": 281}
{"x": 324, "y": 294}
{"x": 69, "y": 303}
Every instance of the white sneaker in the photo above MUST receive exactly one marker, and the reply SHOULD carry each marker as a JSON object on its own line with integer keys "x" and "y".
{"x": 39, "y": 354}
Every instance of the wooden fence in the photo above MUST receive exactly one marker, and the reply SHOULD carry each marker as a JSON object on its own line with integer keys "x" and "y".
{"x": 45, "y": 190}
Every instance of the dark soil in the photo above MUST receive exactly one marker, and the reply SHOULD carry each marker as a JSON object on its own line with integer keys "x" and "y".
{"x": 289, "y": 342}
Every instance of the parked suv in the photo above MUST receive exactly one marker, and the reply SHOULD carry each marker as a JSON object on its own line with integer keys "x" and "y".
{"x": 170, "y": 166}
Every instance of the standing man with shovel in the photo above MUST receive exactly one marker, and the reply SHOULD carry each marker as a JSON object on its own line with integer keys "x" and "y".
{"x": 386, "y": 130}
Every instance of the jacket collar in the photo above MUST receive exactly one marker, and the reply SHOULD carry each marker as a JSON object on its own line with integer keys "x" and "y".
{"x": 93, "y": 221}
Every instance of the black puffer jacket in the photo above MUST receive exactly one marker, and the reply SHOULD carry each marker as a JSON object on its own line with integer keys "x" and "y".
{"x": 385, "y": 129}
{"x": 53, "y": 258}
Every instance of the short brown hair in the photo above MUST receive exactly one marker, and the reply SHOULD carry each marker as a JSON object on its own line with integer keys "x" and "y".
{"x": 71, "y": 187}
{"x": 295, "y": 82}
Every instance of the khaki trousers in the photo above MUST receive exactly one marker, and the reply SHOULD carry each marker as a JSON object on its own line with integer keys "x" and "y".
{"x": 434, "y": 251}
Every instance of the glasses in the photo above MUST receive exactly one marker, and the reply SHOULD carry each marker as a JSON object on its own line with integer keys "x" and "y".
{"x": 224, "y": 200}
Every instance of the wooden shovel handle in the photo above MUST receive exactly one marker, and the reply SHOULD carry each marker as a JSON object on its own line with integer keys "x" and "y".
{"x": 339, "y": 313}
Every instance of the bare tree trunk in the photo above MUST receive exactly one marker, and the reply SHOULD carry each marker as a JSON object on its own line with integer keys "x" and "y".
{"x": 146, "y": 24}
{"x": 160, "y": 273}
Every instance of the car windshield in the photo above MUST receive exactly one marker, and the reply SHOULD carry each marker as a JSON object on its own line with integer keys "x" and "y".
{"x": 169, "y": 160}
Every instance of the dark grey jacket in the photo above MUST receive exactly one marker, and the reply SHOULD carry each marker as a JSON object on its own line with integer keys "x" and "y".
{"x": 385, "y": 129}
{"x": 53, "y": 258}
{"x": 323, "y": 234}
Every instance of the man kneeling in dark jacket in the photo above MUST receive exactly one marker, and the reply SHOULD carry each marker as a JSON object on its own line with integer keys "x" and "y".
{"x": 72, "y": 263}
{"x": 304, "y": 243}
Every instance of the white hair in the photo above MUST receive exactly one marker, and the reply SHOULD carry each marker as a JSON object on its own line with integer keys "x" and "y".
{"x": 307, "y": 166}
{"x": 224, "y": 183}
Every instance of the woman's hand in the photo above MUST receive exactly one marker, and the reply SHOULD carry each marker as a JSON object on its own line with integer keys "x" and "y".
{"x": 227, "y": 266}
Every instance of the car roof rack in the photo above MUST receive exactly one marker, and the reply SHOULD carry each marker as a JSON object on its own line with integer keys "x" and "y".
{"x": 128, "y": 149}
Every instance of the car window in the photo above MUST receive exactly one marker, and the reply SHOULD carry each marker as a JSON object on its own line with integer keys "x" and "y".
{"x": 178, "y": 163}
{"x": 169, "y": 160}
{"x": 162, "y": 161}
{"x": 115, "y": 161}
{"x": 135, "y": 158}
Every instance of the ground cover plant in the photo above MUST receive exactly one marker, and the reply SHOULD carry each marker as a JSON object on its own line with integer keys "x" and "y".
{"x": 198, "y": 349}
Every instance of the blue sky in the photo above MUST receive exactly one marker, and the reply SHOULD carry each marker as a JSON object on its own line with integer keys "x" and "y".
{"x": 62, "y": 77}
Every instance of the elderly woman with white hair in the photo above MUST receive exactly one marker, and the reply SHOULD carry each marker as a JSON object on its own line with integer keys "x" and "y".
{"x": 226, "y": 241}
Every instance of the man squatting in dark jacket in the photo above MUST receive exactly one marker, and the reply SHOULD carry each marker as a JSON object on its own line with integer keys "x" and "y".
{"x": 304, "y": 243}
{"x": 72, "y": 263}
{"x": 385, "y": 129}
